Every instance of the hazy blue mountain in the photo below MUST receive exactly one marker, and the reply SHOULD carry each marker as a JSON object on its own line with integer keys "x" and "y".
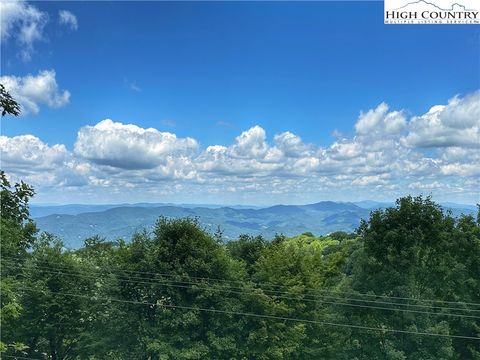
{"x": 450, "y": 205}
{"x": 70, "y": 209}
{"x": 370, "y": 204}
{"x": 113, "y": 222}
{"x": 37, "y": 211}
{"x": 457, "y": 209}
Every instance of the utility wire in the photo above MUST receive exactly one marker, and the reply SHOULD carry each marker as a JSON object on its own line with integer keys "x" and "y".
{"x": 18, "y": 357}
{"x": 306, "y": 288}
{"x": 251, "y": 292}
{"x": 273, "y": 317}
{"x": 270, "y": 292}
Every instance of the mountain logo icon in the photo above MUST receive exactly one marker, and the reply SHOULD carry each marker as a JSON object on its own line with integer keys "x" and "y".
{"x": 432, "y": 12}
{"x": 423, "y": 2}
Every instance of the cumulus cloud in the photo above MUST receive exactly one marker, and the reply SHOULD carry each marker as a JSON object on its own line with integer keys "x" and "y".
{"x": 128, "y": 146}
{"x": 30, "y": 150}
{"x": 252, "y": 155}
{"x": 32, "y": 91}
{"x": 292, "y": 145}
{"x": 68, "y": 19}
{"x": 23, "y": 22}
{"x": 454, "y": 124}
{"x": 374, "y": 149}
{"x": 250, "y": 144}
{"x": 30, "y": 159}
{"x": 380, "y": 122}
{"x": 345, "y": 150}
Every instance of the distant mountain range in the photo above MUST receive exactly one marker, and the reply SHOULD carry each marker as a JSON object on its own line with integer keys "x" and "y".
{"x": 73, "y": 223}
{"x": 75, "y": 209}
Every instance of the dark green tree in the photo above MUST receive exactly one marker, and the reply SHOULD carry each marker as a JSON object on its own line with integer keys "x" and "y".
{"x": 415, "y": 250}
{"x": 8, "y": 105}
{"x": 247, "y": 249}
{"x": 17, "y": 234}
{"x": 17, "y": 230}
{"x": 58, "y": 301}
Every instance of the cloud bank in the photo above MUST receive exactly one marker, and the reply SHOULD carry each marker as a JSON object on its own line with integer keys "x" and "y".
{"x": 390, "y": 154}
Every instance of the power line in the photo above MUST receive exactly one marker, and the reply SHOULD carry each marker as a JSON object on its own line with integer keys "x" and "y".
{"x": 273, "y": 317}
{"x": 251, "y": 292}
{"x": 18, "y": 357}
{"x": 276, "y": 293}
{"x": 306, "y": 288}
{"x": 269, "y": 292}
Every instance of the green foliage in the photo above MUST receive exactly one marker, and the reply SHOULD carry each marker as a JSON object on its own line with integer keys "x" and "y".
{"x": 17, "y": 230}
{"x": 247, "y": 249}
{"x": 17, "y": 234}
{"x": 181, "y": 293}
{"x": 415, "y": 250}
{"x": 341, "y": 235}
{"x": 8, "y": 105}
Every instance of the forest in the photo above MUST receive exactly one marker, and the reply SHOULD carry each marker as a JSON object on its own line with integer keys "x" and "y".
{"x": 404, "y": 285}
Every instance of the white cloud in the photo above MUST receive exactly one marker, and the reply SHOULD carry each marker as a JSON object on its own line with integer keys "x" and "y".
{"x": 251, "y": 155}
{"x": 345, "y": 150}
{"x": 128, "y": 146}
{"x": 292, "y": 145}
{"x": 371, "y": 179}
{"x": 454, "y": 124}
{"x": 31, "y": 160}
{"x": 424, "y": 186}
{"x": 374, "y": 149}
{"x": 32, "y": 91}
{"x": 30, "y": 150}
{"x": 250, "y": 144}
{"x": 67, "y": 18}
{"x": 460, "y": 169}
{"x": 380, "y": 122}
{"x": 23, "y": 22}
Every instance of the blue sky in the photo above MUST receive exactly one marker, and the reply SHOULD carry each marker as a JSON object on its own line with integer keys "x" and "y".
{"x": 212, "y": 70}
